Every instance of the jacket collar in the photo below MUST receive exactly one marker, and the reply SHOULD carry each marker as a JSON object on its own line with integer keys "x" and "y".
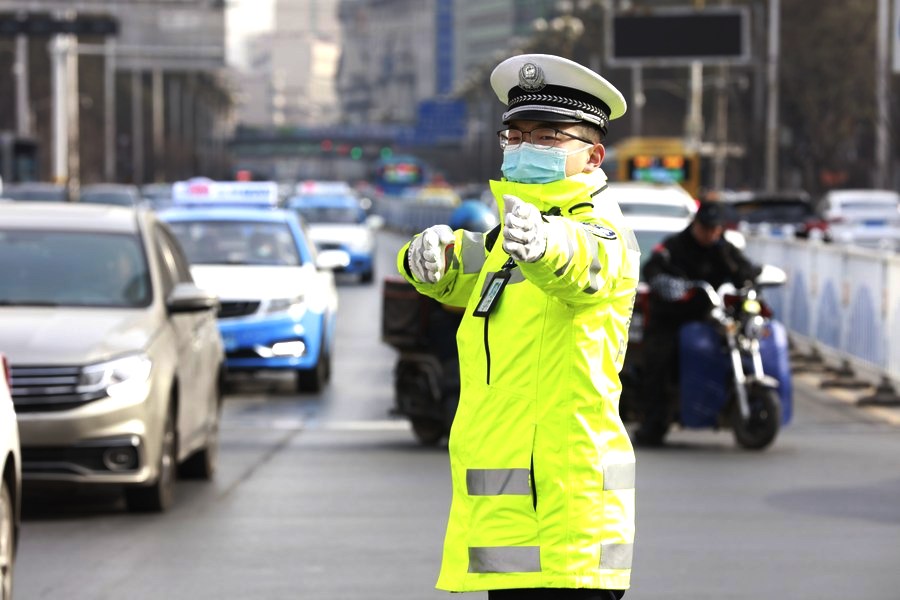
{"x": 561, "y": 195}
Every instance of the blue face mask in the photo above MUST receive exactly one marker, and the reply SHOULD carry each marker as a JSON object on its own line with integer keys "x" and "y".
{"x": 527, "y": 163}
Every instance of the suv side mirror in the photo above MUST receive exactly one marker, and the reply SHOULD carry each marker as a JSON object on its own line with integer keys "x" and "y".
{"x": 187, "y": 297}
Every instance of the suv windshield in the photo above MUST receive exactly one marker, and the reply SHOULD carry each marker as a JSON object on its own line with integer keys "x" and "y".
{"x": 64, "y": 268}
{"x": 237, "y": 243}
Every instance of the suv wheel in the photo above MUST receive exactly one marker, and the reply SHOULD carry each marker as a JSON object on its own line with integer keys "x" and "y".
{"x": 202, "y": 464}
{"x": 7, "y": 541}
{"x": 160, "y": 495}
{"x": 314, "y": 380}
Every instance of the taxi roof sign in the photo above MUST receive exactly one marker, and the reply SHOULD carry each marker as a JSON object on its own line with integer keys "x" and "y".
{"x": 206, "y": 192}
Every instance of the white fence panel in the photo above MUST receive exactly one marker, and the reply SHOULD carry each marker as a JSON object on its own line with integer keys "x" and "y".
{"x": 841, "y": 299}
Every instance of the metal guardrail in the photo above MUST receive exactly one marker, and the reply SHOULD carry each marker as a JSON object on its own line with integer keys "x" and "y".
{"x": 411, "y": 216}
{"x": 840, "y": 302}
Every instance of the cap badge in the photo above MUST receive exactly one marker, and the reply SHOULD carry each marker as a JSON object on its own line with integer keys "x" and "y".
{"x": 531, "y": 77}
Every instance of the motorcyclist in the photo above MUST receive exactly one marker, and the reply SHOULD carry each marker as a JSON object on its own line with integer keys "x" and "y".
{"x": 698, "y": 253}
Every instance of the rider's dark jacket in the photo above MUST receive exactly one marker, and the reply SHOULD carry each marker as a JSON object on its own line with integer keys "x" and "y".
{"x": 675, "y": 264}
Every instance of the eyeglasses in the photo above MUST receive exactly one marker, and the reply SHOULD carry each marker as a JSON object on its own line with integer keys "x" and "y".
{"x": 547, "y": 137}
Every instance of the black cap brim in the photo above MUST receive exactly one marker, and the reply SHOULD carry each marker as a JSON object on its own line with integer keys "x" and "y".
{"x": 540, "y": 115}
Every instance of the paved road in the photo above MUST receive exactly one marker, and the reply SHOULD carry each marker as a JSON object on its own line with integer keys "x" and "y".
{"x": 328, "y": 497}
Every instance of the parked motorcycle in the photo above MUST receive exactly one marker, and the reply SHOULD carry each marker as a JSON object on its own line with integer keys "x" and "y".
{"x": 734, "y": 369}
{"x": 426, "y": 374}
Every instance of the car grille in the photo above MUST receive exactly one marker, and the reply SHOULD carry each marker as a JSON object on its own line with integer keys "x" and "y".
{"x": 330, "y": 246}
{"x": 229, "y": 310}
{"x": 41, "y": 389}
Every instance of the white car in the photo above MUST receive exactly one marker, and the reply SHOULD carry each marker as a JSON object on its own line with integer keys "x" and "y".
{"x": 336, "y": 220}
{"x": 10, "y": 484}
{"x": 863, "y": 217}
{"x": 649, "y": 231}
{"x": 637, "y": 198}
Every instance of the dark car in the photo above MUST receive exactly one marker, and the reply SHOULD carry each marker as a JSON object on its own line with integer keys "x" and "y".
{"x": 779, "y": 212}
{"x": 35, "y": 191}
{"x": 113, "y": 194}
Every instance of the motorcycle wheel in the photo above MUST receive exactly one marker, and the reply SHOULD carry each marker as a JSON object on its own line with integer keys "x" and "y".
{"x": 759, "y": 431}
{"x": 428, "y": 431}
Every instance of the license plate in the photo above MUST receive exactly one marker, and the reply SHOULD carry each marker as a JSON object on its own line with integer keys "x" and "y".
{"x": 874, "y": 222}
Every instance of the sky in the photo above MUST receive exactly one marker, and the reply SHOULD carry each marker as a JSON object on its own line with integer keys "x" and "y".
{"x": 243, "y": 18}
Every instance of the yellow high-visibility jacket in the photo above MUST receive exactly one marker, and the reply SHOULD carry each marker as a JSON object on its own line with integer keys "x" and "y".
{"x": 542, "y": 466}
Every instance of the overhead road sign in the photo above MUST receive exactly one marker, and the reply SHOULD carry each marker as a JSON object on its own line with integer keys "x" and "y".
{"x": 37, "y": 24}
{"x": 679, "y": 37}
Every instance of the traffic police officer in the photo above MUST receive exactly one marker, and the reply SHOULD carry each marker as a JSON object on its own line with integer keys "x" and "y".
{"x": 542, "y": 466}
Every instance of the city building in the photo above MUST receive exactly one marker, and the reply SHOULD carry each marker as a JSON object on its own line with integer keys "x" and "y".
{"x": 488, "y": 29}
{"x": 151, "y": 91}
{"x": 290, "y": 76}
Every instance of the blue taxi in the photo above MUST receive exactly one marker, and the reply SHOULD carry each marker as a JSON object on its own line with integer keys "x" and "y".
{"x": 278, "y": 297}
{"x": 337, "y": 221}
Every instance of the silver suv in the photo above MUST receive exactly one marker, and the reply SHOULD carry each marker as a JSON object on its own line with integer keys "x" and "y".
{"x": 115, "y": 355}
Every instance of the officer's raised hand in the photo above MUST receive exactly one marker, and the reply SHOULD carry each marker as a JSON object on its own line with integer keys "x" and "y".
{"x": 524, "y": 233}
{"x": 427, "y": 253}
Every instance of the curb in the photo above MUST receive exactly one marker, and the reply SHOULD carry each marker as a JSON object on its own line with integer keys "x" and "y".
{"x": 850, "y": 397}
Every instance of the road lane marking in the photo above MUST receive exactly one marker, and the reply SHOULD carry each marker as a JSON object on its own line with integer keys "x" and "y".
{"x": 380, "y": 425}
{"x": 289, "y": 424}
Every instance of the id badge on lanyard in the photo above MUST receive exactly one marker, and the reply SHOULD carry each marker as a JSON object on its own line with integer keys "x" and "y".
{"x": 495, "y": 286}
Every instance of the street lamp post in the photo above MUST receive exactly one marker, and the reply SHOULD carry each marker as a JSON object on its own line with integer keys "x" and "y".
{"x": 882, "y": 117}
{"x": 771, "y": 171}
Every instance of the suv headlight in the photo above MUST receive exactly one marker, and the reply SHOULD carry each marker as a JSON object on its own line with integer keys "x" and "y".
{"x": 294, "y": 306}
{"x": 119, "y": 377}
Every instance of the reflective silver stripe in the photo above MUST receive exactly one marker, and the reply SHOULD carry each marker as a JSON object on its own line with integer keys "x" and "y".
{"x": 618, "y": 476}
{"x": 472, "y": 251}
{"x": 505, "y": 559}
{"x": 569, "y": 257}
{"x": 616, "y": 556}
{"x": 631, "y": 241}
{"x": 595, "y": 267}
{"x": 498, "y": 482}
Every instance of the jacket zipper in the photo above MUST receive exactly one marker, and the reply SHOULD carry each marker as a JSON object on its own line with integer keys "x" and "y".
{"x": 487, "y": 349}
{"x": 508, "y": 266}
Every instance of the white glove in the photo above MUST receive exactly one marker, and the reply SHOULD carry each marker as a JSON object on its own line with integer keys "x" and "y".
{"x": 524, "y": 234}
{"x": 426, "y": 253}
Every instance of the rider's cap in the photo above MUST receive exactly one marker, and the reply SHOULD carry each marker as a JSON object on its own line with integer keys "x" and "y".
{"x": 711, "y": 214}
{"x": 543, "y": 87}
